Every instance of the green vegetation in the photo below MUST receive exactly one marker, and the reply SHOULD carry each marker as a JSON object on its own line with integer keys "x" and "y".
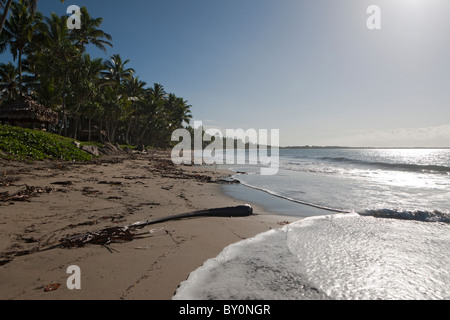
{"x": 96, "y": 100}
{"x": 31, "y": 145}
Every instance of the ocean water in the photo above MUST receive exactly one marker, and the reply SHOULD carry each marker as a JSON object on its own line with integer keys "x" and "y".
{"x": 359, "y": 179}
{"x": 373, "y": 224}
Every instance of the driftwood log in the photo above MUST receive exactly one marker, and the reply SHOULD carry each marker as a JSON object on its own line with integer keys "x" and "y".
{"x": 239, "y": 211}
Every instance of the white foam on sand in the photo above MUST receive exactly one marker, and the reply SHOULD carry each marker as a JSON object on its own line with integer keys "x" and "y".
{"x": 341, "y": 256}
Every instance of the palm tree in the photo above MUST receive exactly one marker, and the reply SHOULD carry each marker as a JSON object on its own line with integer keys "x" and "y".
{"x": 136, "y": 94}
{"x": 115, "y": 71}
{"x": 152, "y": 109}
{"x": 58, "y": 60}
{"x": 6, "y": 7}
{"x": 61, "y": 69}
{"x": 175, "y": 112}
{"x": 181, "y": 112}
{"x": 89, "y": 32}
{"x": 114, "y": 110}
{"x": 85, "y": 83}
{"x": 9, "y": 76}
{"x": 19, "y": 31}
{"x": 115, "y": 98}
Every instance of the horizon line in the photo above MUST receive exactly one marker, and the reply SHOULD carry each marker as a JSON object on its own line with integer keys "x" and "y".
{"x": 358, "y": 147}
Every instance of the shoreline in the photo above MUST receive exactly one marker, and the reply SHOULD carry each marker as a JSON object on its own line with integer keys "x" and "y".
{"x": 111, "y": 192}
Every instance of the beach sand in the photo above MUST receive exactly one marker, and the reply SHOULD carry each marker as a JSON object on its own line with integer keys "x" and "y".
{"x": 74, "y": 198}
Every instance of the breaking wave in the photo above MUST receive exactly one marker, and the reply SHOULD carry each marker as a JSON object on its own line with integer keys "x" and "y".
{"x": 419, "y": 215}
{"x": 393, "y": 166}
{"x": 425, "y": 216}
{"x": 338, "y": 257}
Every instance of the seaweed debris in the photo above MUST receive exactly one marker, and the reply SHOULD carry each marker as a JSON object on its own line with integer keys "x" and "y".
{"x": 25, "y": 194}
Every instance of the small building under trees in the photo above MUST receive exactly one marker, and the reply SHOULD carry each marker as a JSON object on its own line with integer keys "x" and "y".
{"x": 26, "y": 112}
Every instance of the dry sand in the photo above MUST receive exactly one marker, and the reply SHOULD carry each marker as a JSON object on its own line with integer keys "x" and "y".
{"x": 76, "y": 198}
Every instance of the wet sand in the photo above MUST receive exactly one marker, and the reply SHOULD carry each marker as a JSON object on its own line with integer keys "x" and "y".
{"x": 42, "y": 203}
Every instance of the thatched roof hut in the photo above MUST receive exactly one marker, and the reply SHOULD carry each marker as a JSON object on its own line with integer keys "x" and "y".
{"x": 27, "y": 110}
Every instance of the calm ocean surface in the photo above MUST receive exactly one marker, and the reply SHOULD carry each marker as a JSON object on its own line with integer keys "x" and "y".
{"x": 384, "y": 233}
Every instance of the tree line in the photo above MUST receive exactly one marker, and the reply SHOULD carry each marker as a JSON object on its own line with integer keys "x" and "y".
{"x": 96, "y": 100}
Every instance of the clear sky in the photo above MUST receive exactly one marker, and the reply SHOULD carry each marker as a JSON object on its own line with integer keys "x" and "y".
{"x": 310, "y": 68}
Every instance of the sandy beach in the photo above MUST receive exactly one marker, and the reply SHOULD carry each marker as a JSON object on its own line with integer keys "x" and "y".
{"x": 45, "y": 202}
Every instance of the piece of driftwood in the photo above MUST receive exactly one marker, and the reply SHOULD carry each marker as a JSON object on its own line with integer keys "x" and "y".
{"x": 129, "y": 233}
{"x": 239, "y": 211}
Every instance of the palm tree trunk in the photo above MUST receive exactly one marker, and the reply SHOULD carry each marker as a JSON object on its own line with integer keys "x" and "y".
{"x": 127, "y": 141}
{"x": 20, "y": 73}
{"x": 113, "y": 131}
{"x": 100, "y": 136}
{"x": 139, "y": 141}
{"x": 77, "y": 124}
{"x": 5, "y": 15}
{"x": 64, "y": 104}
{"x": 64, "y": 118}
{"x": 108, "y": 130}
{"x": 89, "y": 134}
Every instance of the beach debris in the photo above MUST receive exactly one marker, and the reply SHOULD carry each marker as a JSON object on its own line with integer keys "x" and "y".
{"x": 123, "y": 234}
{"x": 85, "y": 223}
{"x": 6, "y": 257}
{"x": 164, "y": 165}
{"x": 168, "y": 170}
{"x": 228, "y": 180}
{"x": 102, "y": 237}
{"x": 133, "y": 177}
{"x": 183, "y": 175}
{"x": 52, "y": 287}
{"x": 238, "y": 211}
{"x": 130, "y": 233}
{"x": 5, "y": 183}
{"x": 25, "y": 194}
{"x": 5, "y": 261}
{"x": 63, "y": 183}
{"x": 27, "y": 239}
{"x": 90, "y": 191}
{"x": 113, "y": 183}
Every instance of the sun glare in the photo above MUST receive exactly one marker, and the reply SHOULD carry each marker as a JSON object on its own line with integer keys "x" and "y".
{"x": 416, "y": 6}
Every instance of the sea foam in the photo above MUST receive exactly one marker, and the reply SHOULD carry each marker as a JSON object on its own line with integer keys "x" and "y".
{"x": 340, "y": 256}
